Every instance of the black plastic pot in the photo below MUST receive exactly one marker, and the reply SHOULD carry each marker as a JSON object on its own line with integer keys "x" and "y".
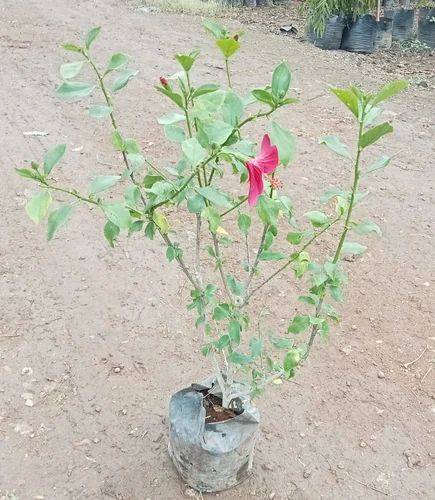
{"x": 210, "y": 457}
{"x": 426, "y": 27}
{"x": 384, "y": 33}
{"x": 331, "y": 39}
{"x": 403, "y": 24}
{"x": 359, "y": 36}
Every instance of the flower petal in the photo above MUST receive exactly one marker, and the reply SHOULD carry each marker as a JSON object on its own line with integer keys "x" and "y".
{"x": 268, "y": 158}
{"x": 256, "y": 186}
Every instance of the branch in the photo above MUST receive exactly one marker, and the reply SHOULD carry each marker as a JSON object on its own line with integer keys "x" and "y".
{"x": 220, "y": 266}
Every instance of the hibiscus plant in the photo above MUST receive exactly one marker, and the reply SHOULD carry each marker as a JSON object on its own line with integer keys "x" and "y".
{"x": 228, "y": 190}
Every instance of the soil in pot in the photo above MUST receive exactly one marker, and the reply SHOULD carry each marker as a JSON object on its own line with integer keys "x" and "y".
{"x": 384, "y": 33}
{"x": 426, "y": 27}
{"x": 359, "y": 36}
{"x": 403, "y": 24}
{"x": 331, "y": 39}
{"x": 211, "y": 447}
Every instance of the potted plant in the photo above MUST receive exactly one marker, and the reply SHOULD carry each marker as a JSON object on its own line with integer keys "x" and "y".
{"x": 325, "y": 22}
{"x": 228, "y": 189}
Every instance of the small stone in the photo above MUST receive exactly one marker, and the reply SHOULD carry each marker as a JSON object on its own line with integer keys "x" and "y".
{"x": 84, "y": 442}
{"x": 38, "y": 497}
{"x": 340, "y": 465}
{"x": 353, "y": 327}
{"x": 379, "y": 411}
{"x": 363, "y": 444}
{"x": 347, "y": 349}
{"x": 117, "y": 369}
{"x": 272, "y": 495}
{"x": 28, "y": 402}
{"x": 381, "y": 374}
{"x": 96, "y": 440}
{"x": 97, "y": 409}
{"x": 189, "y": 492}
{"x": 124, "y": 411}
{"x": 426, "y": 283}
{"x": 26, "y": 371}
{"x": 307, "y": 473}
{"x": 302, "y": 434}
{"x": 267, "y": 467}
{"x": 348, "y": 383}
{"x": 27, "y": 395}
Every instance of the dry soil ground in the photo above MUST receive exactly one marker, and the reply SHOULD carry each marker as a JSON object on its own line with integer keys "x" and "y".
{"x": 358, "y": 424}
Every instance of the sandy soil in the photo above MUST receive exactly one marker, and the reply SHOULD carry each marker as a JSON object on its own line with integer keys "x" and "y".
{"x": 356, "y": 424}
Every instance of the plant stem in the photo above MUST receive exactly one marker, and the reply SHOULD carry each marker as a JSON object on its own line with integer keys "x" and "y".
{"x": 356, "y": 177}
{"x": 257, "y": 260}
{"x": 237, "y": 205}
{"x": 72, "y": 193}
{"x": 220, "y": 266}
{"x": 227, "y": 69}
{"x": 198, "y": 250}
{"x": 180, "y": 260}
{"x": 287, "y": 264}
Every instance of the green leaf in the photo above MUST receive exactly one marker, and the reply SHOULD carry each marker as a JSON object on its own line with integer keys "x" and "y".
{"x": 195, "y": 204}
{"x": 177, "y": 98}
{"x": 117, "y": 61}
{"x": 256, "y": 347}
{"x": 234, "y": 330}
{"x": 136, "y": 227}
{"x": 237, "y": 287}
{"x": 132, "y": 195}
{"x": 335, "y": 145}
{"x": 299, "y": 324}
{"x": 351, "y": 247}
{"x": 58, "y": 218}
{"x": 281, "y": 81}
{"x": 123, "y": 79}
{"x": 117, "y": 140}
{"x": 161, "y": 222}
{"x": 214, "y": 28}
{"x": 171, "y": 118}
{"x": 205, "y": 89}
{"x": 295, "y": 238}
{"x": 317, "y": 219}
{"x": 374, "y": 134}
{"x": 244, "y": 223}
{"x": 216, "y": 197}
{"x": 74, "y": 90}
{"x": 91, "y": 36}
{"x": 268, "y": 210}
{"x": 118, "y": 214}
{"x": 309, "y": 299}
{"x": 186, "y": 60}
{"x": 348, "y": 98}
{"x": 71, "y": 47}
{"x": 221, "y": 312}
{"x": 150, "y": 230}
{"x": 272, "y": 256}
{"x": 97, "y": 111}
{"x": 173, "y": 251}
{"x": 367, "y": 227}
{"x": 52, "y": 157}
{"x": 291, "y": 361}
{"x": 135, "y": 161}
{"x": 239, "y": 359}
{"x": 70, "y": 70}
{"x": 389, "y": 90}
{"x": 175, "y": 134}
{"x": 213, "y": 217}
{"x": 228, "y": 46}
{"x": 193, "y": 151}
{"x": 111, "y": 232}
{"x": 263, "y": 96}
{"x": 284, "y": 141}
{"x": 217, "y": 131}
{"x": 283, "y": 343}
{"x": 224, "y": 341}
{"x": 102, "y": 182}
{"x": 28, "y": 173}
{"x": 37, "y": 207}
{"x": 380, "y": 164}
{"x": 232, "y": 109}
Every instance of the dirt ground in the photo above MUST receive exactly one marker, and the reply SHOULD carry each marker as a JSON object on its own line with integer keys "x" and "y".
{"x": 98, "y": 339}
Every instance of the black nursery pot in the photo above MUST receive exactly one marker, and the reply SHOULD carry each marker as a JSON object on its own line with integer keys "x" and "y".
{"x": 403, "y": 24}
{"x": 359, "y": 36}
{"x": 384, "y": 33}
{"x": 331, "y": 39}
{"x": 426, "y": 27}
{"x": 214, "y": 456}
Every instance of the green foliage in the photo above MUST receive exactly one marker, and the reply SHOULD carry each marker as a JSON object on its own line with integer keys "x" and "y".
{"x": 202, "y": 195}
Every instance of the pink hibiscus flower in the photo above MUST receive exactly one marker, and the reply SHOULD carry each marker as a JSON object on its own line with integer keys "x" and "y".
{"x": 265, "y": 163}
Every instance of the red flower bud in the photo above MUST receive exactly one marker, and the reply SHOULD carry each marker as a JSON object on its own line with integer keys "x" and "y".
{"x": 164, "y": 81}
